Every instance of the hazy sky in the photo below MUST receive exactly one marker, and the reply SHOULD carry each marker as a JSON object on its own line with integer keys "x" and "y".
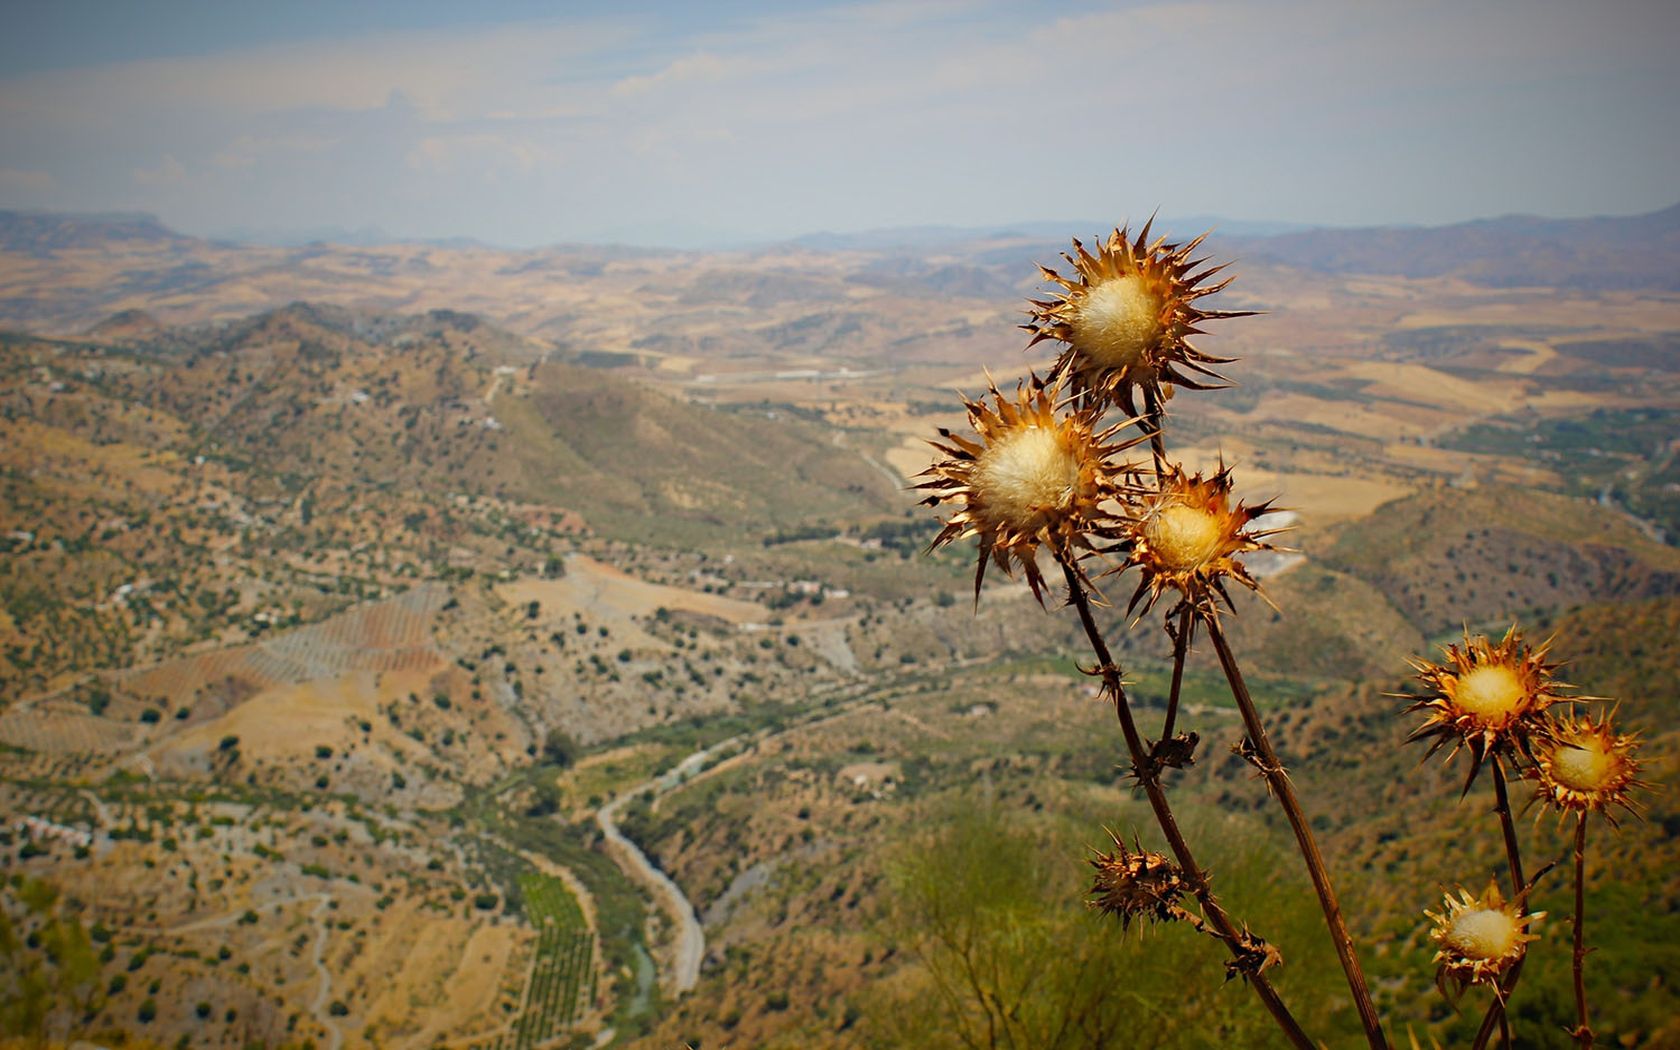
{"x": 688, "y": 123}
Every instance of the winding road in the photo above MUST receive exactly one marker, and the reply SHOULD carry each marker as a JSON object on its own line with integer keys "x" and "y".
{"x": 320, "y": 1007}
{"x": 690, "y": 945}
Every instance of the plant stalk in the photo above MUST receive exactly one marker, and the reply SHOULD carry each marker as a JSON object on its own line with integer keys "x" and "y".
{"x": 1147, "y": 775}
{"x": 1284, "y": 790}
{"x": 1502, "y": 805}
{"x": 1181, "y": 647}
{"x": 1495, "y": 1016}
{"x": 1155, "y": 419}
{"x": 1583, "y": 1031}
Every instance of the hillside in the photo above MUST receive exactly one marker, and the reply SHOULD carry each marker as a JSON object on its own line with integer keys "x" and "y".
{"x": 1453, "y": 556}
{"x": 159, "y": 492}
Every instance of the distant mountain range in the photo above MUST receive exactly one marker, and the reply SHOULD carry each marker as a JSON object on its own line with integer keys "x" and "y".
{"x": 945, "y": 237}
{"x": 1636, "y": 251}
{"x": 42, "y": 233}
{"x": 1514, "y": 251}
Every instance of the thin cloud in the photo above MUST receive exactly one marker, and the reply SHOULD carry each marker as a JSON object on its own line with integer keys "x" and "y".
{"x": 26, "y": 183}
{"x": 858, "y": 115}
{"x": 169, "y": 172}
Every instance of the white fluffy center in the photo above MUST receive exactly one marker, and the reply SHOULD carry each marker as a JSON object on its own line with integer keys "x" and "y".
{"x": 1486, "y": 933}
{"x": 1183, "y": 537}
{"x": 1118, "y": 321}
{"x": 1583, "y": 768}
{"x": 1489, "y": 691}
{"x": 1024, "y": 475}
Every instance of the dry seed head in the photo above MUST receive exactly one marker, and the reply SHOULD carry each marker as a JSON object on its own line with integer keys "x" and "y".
{"x": 1186, "y": 532}
{"x": 1035, "y": 477}
{"x": 1478, "y": 939}
{"x": 1488, "y": 697}
{"x": 1137, "y": 884}
{"x": 1126, "y": 314}
{"x": 1118, "y": 321}
{"x": 1582, "y": 765}
{"x": 1027, "y": 478}
{"x": 1183, "y": 537}
{"x": 1490, "y": 692}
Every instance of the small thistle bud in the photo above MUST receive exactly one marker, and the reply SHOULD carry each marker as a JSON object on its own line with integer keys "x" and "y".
{"x": 1176, "y": 752}
{"x": 1254, "y": 957}
{"x": 1135, "y": 883}
{"x": 1478, "y": 939}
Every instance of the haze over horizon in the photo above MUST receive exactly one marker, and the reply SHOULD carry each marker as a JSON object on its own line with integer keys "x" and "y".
{"x": 659, "y": 125}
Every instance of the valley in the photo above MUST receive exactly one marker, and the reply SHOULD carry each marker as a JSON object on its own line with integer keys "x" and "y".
{"x": 422, "y": 645}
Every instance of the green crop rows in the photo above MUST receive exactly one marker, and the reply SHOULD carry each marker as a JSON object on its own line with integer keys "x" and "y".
{"x": 562, "y": 984}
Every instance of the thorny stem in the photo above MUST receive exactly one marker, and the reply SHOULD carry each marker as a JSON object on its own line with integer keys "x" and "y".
{"x": 1583, "y": 1032}
{"x": 1155, "y": 420}
{"x": 1495, "y": 1017}
{"x": 1147, "y": 776}
{"x": 1281, "y": 786}
{"x": 1181, "y": 646}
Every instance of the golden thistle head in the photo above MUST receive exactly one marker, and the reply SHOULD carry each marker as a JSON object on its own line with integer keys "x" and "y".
{"x": 1185, "y": 534}
{"x": 1034, "y": 477}
{"x": 1126, "y": 315}
{"x": 1137, "y": 884}
{"x": 1478, "y": 939}
{"x": 1487, "y": 697}
{"x": 1582, "y": 765}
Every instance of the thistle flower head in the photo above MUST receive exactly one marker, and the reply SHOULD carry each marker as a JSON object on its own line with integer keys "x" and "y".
{"x": 1034, "y": 477}
{"x": 1582, "y": 765}
{"x": 1487, "y": 697}
{"x": 1478, "y": 939}
{"x": 1137, "y": 884}
{"x": 1185, "y": 533}
{"x": 1126, "y": 314}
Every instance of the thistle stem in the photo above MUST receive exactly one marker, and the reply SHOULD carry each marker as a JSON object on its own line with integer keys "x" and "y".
{"x": 1502, "y": 805}
{"x": 1583, "y": 1031}
{"x": 1148, "y": 777}
{"x": 1284, "y": 790}
{"x": 1181, "y": 646}
{"x": 1153, "y": 418}
{"x": 1495, "y": 1017}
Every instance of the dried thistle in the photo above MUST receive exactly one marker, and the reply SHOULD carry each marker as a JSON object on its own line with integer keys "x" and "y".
{"x": 1034, "y": 478}
{"x": 1185, "y": 534}
{"x": 1479, "y": 939}
{"x": 1584, "y": 766}
{"x": 1126, "y": 314}
{"x": 1137, "y": 884}
{"x": 1488, "y": 697}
